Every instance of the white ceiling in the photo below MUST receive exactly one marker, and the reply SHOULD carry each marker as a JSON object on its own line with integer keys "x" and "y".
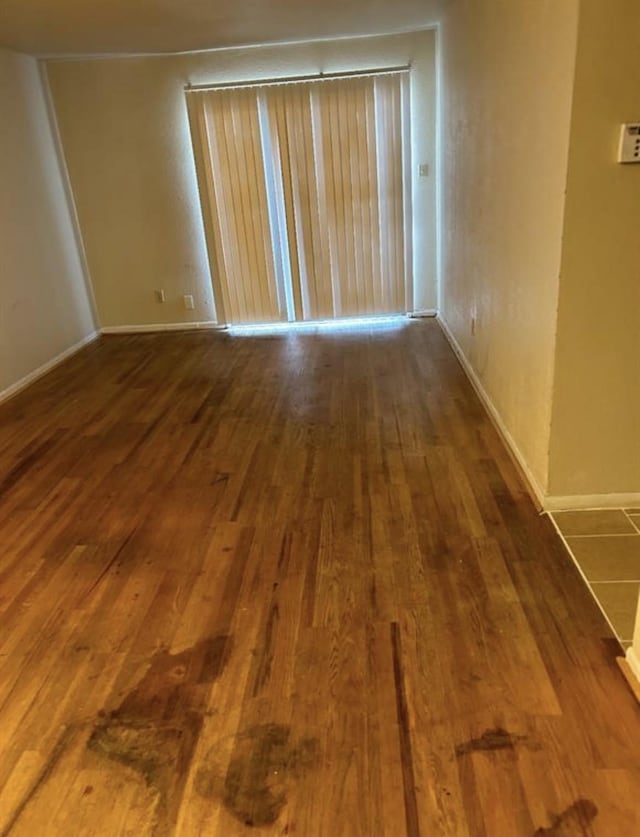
{"x": 82, "y": 27}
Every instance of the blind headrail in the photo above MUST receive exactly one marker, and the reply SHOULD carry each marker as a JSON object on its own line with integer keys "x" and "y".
{"x": 270, "y": 82}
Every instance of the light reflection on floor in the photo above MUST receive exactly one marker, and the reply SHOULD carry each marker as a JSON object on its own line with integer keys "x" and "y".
{"x": 347, "y": 324}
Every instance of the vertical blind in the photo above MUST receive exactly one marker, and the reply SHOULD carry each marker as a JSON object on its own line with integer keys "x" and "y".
{"x": 304, "y": 198}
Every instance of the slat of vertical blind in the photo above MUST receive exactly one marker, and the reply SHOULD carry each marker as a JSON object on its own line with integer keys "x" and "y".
{"x": 393, "y": 115}
{"x": 282, "y": 162}
{"x": 377, "y": 283}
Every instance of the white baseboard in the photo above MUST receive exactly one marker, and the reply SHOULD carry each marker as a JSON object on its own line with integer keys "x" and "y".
{"x": 14, "y": 389}
{"x": 423, "y": 312}
{"x": 633, "y": 659}
{"x": 532, "y": 484}
{"x": 152, "y": 327}
{"x": 591, "y": 501}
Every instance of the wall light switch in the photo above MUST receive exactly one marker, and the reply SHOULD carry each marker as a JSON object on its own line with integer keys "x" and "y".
{"x": 423, "y": 170}
{"x": 160, "y": 296}
{"x": 188, "y": 302}
{"x": 629, "y": 148}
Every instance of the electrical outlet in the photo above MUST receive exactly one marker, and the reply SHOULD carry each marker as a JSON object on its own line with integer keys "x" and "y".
{"x": 189, "y": 304}
{"x": 159, "y": 296}
{"x": 423, "y": 170}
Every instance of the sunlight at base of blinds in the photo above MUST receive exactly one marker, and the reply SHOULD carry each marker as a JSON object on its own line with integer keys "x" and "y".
{"x": 347, "y": 323}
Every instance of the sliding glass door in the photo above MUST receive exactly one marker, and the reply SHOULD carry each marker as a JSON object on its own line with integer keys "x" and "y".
{"x": 303, "y": 188}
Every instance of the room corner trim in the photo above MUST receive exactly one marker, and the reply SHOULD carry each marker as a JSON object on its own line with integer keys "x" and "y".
{"x": 630, "y": 667}
{"x": 423, "y": 312}
{"x": 18, "y": 386}
{"x": 531, "y": 483}
{"x": 634, "y": 662}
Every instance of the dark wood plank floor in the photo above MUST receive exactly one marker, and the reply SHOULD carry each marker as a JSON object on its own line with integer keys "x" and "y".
{"x": 292, "y": 585}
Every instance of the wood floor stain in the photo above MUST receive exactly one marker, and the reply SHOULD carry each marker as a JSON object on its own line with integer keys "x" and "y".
{"x": 491, "y": 739}
{"x": 155, "y": 729}
{"x": 575, "y": 821}
{"x": 264, "y": 762}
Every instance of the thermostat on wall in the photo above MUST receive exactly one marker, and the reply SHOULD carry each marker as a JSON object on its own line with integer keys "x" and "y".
{"x": 629, "y": 148}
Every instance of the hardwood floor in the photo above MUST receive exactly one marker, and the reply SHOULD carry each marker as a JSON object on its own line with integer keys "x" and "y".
{"x": 292, "y": 585}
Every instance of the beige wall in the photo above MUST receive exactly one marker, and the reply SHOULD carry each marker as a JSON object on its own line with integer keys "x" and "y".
{"x": 44, "y": 307}
{"x": 595, "y": 439}
{"x": 126, "y": 138}
{"x": 507, "y": 69}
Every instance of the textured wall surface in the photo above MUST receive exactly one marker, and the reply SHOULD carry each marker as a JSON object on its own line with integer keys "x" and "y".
{"x": 507, "y": 70}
